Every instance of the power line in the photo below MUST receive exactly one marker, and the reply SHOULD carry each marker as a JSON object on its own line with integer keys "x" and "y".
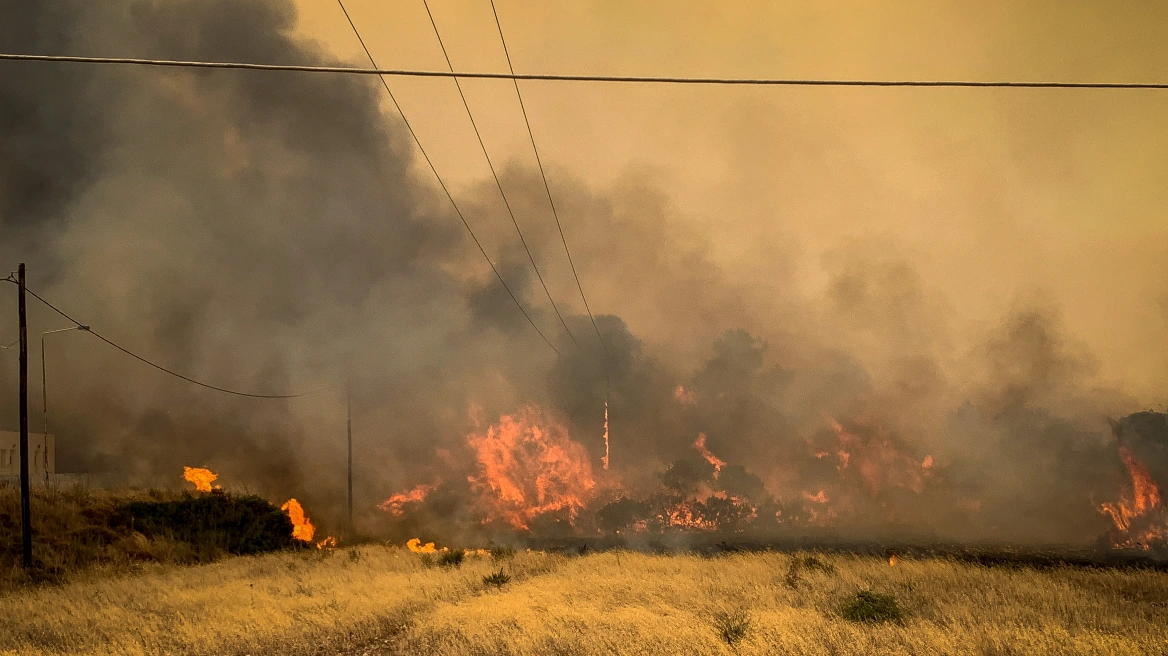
{"x": 546, "y": 77}
{"x": 442, "y": 184}
{"x": 495, "y": 175}
{"x": 160, "y": 367}
{"x": 546, "y": 187}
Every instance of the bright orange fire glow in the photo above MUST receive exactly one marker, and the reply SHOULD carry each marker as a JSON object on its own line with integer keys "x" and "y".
{"x": 200, "y": 477}
{"x": 684, "y": 396}
{"x": 818, "y": 497}
{"x": 529, "y": 466}
{"x": 893, "y": 559}
{"x": 605, "y": 458}
{"x": 302, "y": 528}
{"x": 415, "y": 545}
{"x": 1140, "y": 520}
{"x": 416, "y": 495}
{"x": 878, "y": 462}
{"x": 718, "y": 463}
{"x": 327, "y": 543}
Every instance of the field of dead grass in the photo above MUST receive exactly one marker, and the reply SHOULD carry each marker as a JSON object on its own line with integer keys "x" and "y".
{"x": 380, "y": 600}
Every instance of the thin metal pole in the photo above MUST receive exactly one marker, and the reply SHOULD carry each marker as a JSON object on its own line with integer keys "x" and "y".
{"x": 25, "y": 490}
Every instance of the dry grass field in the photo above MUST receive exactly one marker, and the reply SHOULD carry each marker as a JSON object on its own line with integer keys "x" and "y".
{"x": 386, "y": 600}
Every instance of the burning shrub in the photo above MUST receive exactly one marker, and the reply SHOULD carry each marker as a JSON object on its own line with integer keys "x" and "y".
{"x": 621, "y": 514}
{"x": 210, "y": 522}
{"x": 497, "y": 579}
{"x": 872, "y": 607}
{"x": 733, "y": 626}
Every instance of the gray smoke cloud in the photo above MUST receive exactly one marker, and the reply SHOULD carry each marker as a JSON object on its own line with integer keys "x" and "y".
{"x": 273, "y": 232}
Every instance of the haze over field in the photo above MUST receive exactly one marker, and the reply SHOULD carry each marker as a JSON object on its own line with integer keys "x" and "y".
{"x": 956, "y": 288}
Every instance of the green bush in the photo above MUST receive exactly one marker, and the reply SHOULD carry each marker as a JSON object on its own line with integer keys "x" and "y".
{"x": 497, "y": 579}
{"x": 217, "y": 521}
{"x": 502, "y": 553}
{"x": 872, "y": 607}
{"x": 452, "y": 558}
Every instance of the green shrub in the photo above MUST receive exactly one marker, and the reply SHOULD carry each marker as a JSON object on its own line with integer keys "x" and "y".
{"x": 502, "y": 553}
{"x": 872, "y": 607}
{"x": 497, "y": 579}
{"x": 427, "y": 560}
{"x": 452, "y": 558}
{"x": 217, "y": 521}
{"x": 733, "y": 626}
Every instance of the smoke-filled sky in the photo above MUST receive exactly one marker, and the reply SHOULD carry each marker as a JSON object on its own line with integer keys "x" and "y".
{"x": 986, "y": 192}
{"x": 898, "y": 256}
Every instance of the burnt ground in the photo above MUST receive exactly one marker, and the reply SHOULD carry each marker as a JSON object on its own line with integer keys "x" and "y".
{"x": 1036, "y": 556}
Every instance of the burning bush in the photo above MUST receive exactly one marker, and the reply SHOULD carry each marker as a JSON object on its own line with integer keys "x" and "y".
{"x": 210, "y": 522}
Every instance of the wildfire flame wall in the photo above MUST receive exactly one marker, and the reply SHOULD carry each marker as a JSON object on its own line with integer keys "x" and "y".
{"x": 275, "y": 232}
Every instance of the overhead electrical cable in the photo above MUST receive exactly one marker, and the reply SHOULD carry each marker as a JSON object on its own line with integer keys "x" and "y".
{"x": 548, "y": 77}
{"x": 442, "y": 184}
{"x": 495, "y": 175}
{"x": 159, "y": 367}
{"x": 546, "y": 187}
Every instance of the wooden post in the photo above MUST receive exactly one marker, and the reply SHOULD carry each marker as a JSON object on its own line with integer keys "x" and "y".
{"x": 349, "y": 428}
{"x": 25, "y": 490}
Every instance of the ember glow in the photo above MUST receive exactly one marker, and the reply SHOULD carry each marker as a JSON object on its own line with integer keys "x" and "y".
{"x": 718, "y": 463}
{"x": 394, "y": 504}
{"x": 302, "y": 528}
{"x": 528, "y": 466}
{"x": 201, "y": 478}
{"x": 1140, "y": 520}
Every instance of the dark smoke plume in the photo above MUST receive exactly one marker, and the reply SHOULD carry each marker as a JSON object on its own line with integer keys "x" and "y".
{"x": 273, "y": 232}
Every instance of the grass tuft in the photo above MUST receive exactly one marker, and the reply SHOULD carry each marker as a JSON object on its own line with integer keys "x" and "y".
{"x": 733, "y": 626}
{"x": 502, "y": 553}
{"x": 872, "y": 607}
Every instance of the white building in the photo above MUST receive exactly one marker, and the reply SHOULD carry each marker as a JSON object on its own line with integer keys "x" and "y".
{"x": 42, "y": 455}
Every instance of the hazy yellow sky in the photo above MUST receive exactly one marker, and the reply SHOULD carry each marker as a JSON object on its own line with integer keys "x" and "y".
{"x": 988, "y": 193}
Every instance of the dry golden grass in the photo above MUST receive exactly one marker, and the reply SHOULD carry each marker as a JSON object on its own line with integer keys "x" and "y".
{"x": 287, "y": 603}
{"x": 386, "y": 601}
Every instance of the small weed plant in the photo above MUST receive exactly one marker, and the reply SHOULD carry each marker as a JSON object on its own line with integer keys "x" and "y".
{"x": 872, "y": 608}
{"x": 732, "y": 626}
{"x": 497, "y": 579}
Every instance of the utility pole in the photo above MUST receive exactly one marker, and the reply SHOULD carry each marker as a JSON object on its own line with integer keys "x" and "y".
{"x": 349, "y": 428}
{"x": 25, "y": 491}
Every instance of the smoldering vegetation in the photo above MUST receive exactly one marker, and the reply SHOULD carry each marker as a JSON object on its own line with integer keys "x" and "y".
{"x": 274, "y": 232}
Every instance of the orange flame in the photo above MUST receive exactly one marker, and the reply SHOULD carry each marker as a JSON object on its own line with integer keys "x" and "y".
{"x": 302, "y": 528}
{"x": 893, "y": 559}
{"x": 1140, "y": 509}
{"x": 327, "y": 543}
{"x": 700, "y": 445}
{"x": 818, "y": 497}
{"x": 529, "y": 466}
{"x": 416, "y": 495}
{"x": 415, "y": 545}
{"x": 605, "y": 458}
{"x": 200, "y": 477}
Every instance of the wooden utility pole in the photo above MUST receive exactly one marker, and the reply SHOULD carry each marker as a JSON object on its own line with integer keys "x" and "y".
{"x": 349, "y": 428}
{"x": 25, "y": 491}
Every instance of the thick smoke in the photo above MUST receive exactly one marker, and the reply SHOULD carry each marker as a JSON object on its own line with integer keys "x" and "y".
{"x": 273, "y": 232}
